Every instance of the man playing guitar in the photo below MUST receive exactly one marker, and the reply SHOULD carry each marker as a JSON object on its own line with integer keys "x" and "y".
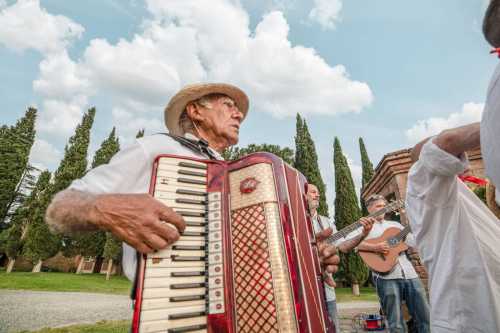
{"x": 402, "y": 282}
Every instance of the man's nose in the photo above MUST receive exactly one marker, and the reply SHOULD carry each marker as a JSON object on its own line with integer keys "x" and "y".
{"x": 237, "y": 114}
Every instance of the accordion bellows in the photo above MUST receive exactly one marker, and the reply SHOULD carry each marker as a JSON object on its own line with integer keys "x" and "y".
{"x": 246, "y": 261}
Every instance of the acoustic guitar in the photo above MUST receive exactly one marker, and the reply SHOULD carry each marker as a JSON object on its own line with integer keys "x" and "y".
{"x": 383, "y": 263}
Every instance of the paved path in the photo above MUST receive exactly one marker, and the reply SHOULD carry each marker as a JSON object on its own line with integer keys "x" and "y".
{"x": 351, "y": 310}
{"x": 32, "y": 310}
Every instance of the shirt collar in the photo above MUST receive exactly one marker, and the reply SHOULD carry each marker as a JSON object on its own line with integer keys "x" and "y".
{"x": 214, "y": 152}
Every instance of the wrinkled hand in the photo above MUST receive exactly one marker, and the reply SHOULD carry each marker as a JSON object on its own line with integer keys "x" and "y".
{"x": 327, "y": 255}
{"x": 367, "y": 223}
{"x": 138, "y": 219}
{"x": 382, "y": 247}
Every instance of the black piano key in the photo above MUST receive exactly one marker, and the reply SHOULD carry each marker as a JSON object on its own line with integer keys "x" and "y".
{"x": 186, "y": 274}
{"x": 186, "y": 315}
{"x": 191, "y": 214}
{"x": 191, "y": 181}
{"x": 195, "y": 223}
{"x": 187, "y": 285}
{"x": 187, "y": 328}
{"x": 191, "y": 192}
{"x": 191, "y": 201}
{"x": 188, "y": 247}
{"x": 191, "y": 173}
{"x": 187, "y": 298}
{"x": 187, "y": 258}
{"x": 193, "y": 233}
{"x": 192, "y": 165}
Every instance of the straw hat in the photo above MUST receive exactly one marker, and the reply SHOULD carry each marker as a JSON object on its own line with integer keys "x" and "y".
{"x": 491, "y": 23}
{"x": 192, "y": 92}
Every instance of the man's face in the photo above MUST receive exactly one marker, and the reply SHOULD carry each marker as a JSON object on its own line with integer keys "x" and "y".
{"x": 222, "y": 120}
{"x": 375, "y": 206}
{"x": 312, "y": 196}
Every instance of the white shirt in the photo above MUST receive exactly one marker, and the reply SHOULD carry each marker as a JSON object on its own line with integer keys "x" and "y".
{"x": 403, "y": 268}
{"x": 319, "y": 225}
{"x": 490, "y": 133}
{"x": 129, "y": 171}
{"x": 458, "y": 240}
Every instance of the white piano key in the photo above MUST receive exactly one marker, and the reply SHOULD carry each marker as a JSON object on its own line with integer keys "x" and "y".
{"x": 165, "y": 303}
{"x": 163, "y": 325}
{"x": 167, "y": 281}
{"x": 175, "y": 162}
{"x": 167, "y": 292}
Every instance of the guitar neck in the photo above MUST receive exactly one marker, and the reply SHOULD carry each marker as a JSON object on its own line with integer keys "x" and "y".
{"x": 351, "y": 227}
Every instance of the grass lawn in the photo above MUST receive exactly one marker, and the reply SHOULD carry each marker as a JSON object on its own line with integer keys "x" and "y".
{"x": 94, "y": 283}
{"x": 121, "y": 326}
{"x": 345, "y": 295}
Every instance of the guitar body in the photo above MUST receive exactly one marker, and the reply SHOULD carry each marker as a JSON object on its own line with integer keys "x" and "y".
{"x": 383, "y": 263}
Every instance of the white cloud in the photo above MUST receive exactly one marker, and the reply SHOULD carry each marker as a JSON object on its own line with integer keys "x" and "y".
{"x": 44, "y": 155}
{"x": 181, "y": 44}
{"x": 326, "y": 13}
{"x": 471, "y": 112}
{"x": 25, "y": 25}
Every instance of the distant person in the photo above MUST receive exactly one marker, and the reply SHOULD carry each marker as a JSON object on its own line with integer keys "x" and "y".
{"x": 324, "y": 227}
{"x": 457, "y": 236}
{"x": 402, "y": 282}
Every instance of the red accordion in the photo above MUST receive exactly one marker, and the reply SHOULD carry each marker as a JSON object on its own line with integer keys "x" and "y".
{"x": 246, "y": 261}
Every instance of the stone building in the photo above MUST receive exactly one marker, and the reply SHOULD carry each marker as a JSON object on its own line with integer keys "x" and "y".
{"x": 390, "y": 180}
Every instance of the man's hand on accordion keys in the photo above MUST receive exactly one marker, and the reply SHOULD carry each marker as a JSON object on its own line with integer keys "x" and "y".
{"x": 327, "y": 255}
{"x": 139, "y": 220}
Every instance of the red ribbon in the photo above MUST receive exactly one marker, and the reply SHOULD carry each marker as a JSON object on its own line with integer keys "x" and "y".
{"x": 496, "y": 50}
{"x": 472, "y": 179}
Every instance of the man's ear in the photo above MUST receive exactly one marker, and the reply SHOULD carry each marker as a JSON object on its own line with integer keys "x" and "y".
{"x": 194, "y": 112}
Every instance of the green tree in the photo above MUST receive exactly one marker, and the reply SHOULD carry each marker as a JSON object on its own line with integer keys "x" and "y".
{"x": 15, "y": 147}
{"x": 92, "y": 244}
{"x": 140, "y": 134}
{"x": 347, "y": 211}
{"x": 234, "y": 153}
{"x": 41, "y": 244}
{"x": 368, "y": 172}
{"x": 112, "y": 252}
{"x": 13, "y": 238}
{"x": 306, "y": 161}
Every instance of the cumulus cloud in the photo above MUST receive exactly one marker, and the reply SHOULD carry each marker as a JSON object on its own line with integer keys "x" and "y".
{"x": 326, "y": 13}
{"x": 471, "y": 112}
{"x": 44, "y": 155}
{"x": 25, "y": 25}
{"x": 181, "y": 43}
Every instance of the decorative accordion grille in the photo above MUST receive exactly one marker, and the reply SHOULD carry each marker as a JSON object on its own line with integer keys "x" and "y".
{"x": 255, "y": 304}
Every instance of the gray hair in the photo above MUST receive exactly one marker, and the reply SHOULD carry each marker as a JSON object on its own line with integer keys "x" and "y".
{"x": 374, "y": 198}
{"x": 185, "y": 123}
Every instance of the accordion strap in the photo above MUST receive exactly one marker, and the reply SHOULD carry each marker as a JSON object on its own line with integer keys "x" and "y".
{"x": 198, "y": 146}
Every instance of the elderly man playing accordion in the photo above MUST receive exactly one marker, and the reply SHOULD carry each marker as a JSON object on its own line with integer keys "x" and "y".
{"x": 203, "y": 120}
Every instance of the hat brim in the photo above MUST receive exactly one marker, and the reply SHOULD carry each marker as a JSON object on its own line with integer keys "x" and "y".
{"x": 193, "y": 92}
{"x": 491, "y": 23}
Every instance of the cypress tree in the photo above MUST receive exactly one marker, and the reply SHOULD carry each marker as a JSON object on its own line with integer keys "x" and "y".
{"x": 347, "y": 211}
{"x": 15, "y": 147}
{"x": 140, "y": 134}
{"x": 367, "y": 169}
{"x": 92, "y": 244}
{"x": 40, "y": 243}
{"x": 306, "y": 161}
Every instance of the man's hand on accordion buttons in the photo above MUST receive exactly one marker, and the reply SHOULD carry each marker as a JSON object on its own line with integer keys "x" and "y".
{"x": 139, "y": 220}
{"x": 327, "y": 255}
{"x": 367, "y": 223}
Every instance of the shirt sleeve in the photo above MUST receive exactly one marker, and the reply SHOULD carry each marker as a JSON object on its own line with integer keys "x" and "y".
{"x": 433, "y": 178}
{"x": 128, "y": 171}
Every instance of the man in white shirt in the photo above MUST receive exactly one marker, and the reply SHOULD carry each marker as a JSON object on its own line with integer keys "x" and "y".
{"x": 203, "y": 120}
{"x": 324, "y": 227}
{"x": 456, "y": 234}
{"x": 490, "y": 122}
{"x": 402, "y": 282}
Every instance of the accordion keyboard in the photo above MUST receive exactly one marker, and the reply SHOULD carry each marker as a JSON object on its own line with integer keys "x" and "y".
{"x": 184, "y": 283}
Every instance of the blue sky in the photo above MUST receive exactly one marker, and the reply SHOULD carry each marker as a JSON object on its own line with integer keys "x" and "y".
{"x": 390, "y": 71}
